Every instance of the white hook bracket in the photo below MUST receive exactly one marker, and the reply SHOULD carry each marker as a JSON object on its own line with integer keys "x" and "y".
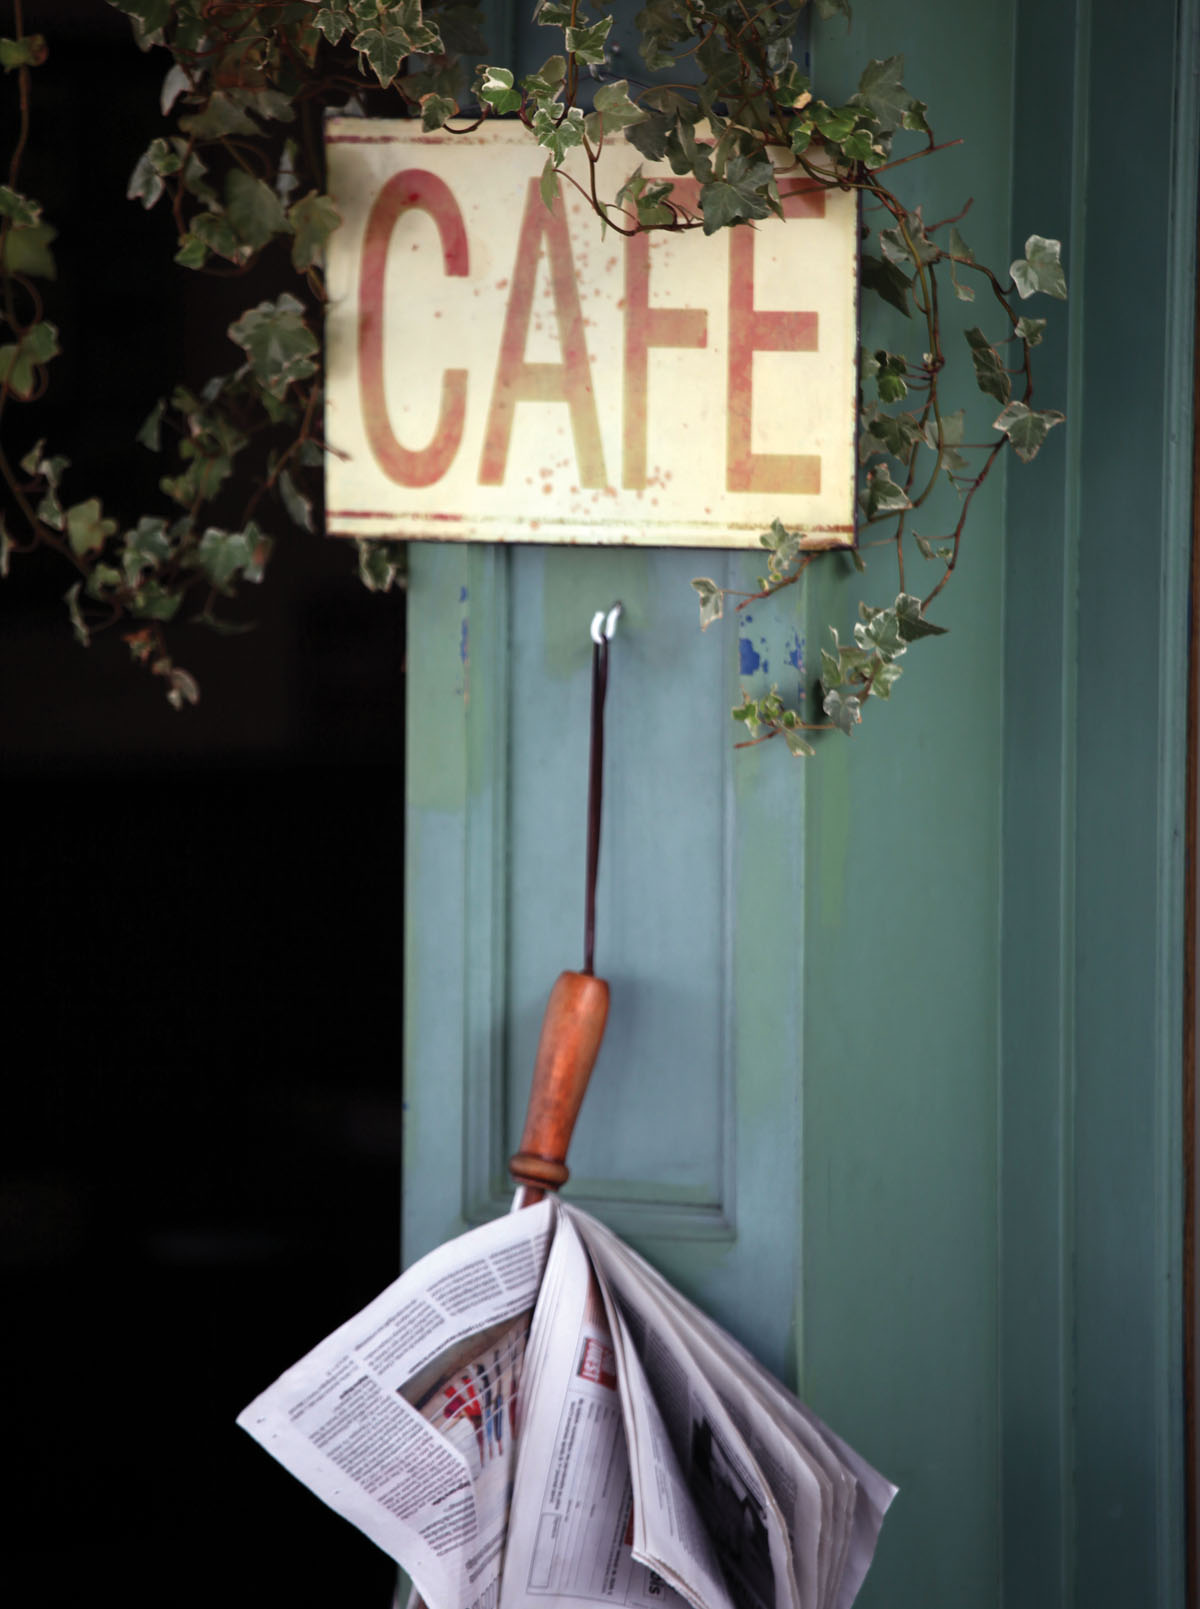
{"x": 604, "y": 625}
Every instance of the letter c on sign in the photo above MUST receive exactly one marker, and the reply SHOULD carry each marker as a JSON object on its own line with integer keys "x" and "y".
{"x": 403, "y": 191}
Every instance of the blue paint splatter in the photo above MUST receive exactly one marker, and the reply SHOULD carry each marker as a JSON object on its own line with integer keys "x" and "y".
{"x": 464, "y": 642}
{"x": 462, "y": 594}
{"x": 795, "y": 654}
{"x": 749, "y": 660}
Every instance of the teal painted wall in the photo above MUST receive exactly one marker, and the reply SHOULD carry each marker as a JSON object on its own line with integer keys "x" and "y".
{"x": 892, "y": 1079}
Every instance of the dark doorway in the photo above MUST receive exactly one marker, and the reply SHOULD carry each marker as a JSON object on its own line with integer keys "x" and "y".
{"x": 199, "y": 1155}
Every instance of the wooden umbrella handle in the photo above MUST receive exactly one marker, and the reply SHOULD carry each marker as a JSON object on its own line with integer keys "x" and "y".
{"x": 571, "y": 1033}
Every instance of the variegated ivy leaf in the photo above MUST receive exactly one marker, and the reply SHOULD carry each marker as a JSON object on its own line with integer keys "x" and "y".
{"x": 278, "y": 343}
{"x": 587, "y": 44}
{"x": 381, "y": 564}
{"x": 843, "y": 709}
{"x": 1026, "y": 428}
{"x": 558, "y": 137}
{"x": 882, "y": 495}
{"x": 614, "y": 107}
{"x": 990, "y": 374}
{"x": 712, "y": 601}
{"x": 313, "y": 219}
{"x": 496, "y": 88}
{"x": 1040, "y": 269}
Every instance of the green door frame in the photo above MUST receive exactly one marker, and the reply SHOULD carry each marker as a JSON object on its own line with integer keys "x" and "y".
{"x": 1038, "y": 1288}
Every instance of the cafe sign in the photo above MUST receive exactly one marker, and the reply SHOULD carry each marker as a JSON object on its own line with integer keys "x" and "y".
{"x": 502, "y": 372}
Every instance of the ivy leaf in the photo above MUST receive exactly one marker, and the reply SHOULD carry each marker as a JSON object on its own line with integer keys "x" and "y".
{"x": 313, "y": 219}
{"x": 28, "y": 51}
{"x": 882, "y": 495}
{"x": 192, "y": 253}
{"x": 1031, "y": 330}
{"x": 87, "y": 529}
{"x": 649, "y": 199}
{"x": 915, "y": 246}
{"x": 891, "y": 369}
{"x": 144, "y": 548}
{"x": 401, "y": 31}
{"x": 334, "y": 21}
{"x": 587, "y": 44}
{"x": 145, "y": 182}
{"x": 556, "y": 137}
{"x": 888, "y": 281}
{"x": 548, "y": 184}
{"x": 552, "y": 14}
{"x": 175, "y": 84}
{"x": 254, "y": 210}
{"x": 182, "y": 686}
{"x": 149, "y": 18}
{"x": 436, "y": 110}
{"x": 20, "y": 209}
{"x": 294, "y": 500}
{"x": 798, "y": 744}
{"x": 843, "y": 709}
{"x": 960, "y": 249}
{"x": 223, "y": 555}
{"x": 1026, "y": 428}
{"x": 649, "y": 137}
{"x": 858, "y": 146}
{"x": 1040, "y": 269}
{"x": 912, "y": 623}
{"x": 223, "y": 115}
{"x": 747, "y": 713}
{"x": 880, "y": 631}
{"x": 26, "y": 250}
{"x": 215, "y": 233}
{"x": 742, "y": 193}
{"x": 885, "y": 673}
{"x": 883, "y": 94}
{"x": 153, "y": 601}
{"x": 953, "y": 429}
{"x": 547, "y": 82}
{"x": 990, "y": 375}
{"x": 278, "y": 343}
{"x": 496, "y": 88}
{"x": 19, "y": 363}
{"x": 380, "y": 564}
{"x": 615, "y": 108}
{"x": 71, "y": 598}
{"x": 712, "y": 601}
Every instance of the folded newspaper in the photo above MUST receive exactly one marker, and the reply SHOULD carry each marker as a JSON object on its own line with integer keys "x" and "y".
{"x": 531, "y": 1415}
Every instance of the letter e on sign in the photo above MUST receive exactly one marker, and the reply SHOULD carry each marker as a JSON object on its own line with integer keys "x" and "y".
{"x": 498, "y": 371}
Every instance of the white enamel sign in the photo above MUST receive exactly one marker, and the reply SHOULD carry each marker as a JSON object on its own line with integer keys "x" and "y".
{"x": 498, "y": 372}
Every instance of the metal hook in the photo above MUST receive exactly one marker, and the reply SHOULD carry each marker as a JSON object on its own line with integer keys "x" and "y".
{"x": 604, "y": 626}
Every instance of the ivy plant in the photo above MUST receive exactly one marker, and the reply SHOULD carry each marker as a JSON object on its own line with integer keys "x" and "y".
{"x": 720, "y": 97}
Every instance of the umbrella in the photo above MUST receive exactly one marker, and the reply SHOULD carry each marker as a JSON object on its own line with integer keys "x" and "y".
{"x": 531, "y": 1414}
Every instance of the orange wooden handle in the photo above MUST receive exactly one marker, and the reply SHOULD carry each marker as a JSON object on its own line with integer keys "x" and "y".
{"x": 571, "y": 1033}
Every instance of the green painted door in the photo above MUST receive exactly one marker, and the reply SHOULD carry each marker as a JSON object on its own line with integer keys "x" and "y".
{"x": 891, "y": 1079}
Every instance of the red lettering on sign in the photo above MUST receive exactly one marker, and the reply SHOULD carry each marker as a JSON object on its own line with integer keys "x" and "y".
{"x": 752, "y": 331}
{"x": 424, "y": 191}
{"x": 518, "y": 381}
{"x": 647, "y": 326}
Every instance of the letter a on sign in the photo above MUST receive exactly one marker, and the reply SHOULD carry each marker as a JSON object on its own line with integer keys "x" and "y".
{"x": 500, "y": 371}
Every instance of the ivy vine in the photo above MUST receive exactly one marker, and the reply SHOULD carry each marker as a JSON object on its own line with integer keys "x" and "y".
{"x": 721, "y": 98}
